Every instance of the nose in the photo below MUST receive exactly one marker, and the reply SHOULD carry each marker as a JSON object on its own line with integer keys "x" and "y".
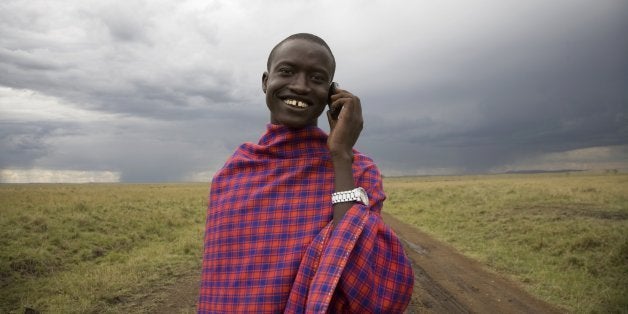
{"x": 300, "y": 84}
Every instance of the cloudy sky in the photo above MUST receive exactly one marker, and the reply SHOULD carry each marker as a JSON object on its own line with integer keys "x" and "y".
{"x": 147, "y": 91}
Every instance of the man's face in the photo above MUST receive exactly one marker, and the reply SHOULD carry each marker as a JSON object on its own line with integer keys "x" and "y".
{"x": 297, "y": 83}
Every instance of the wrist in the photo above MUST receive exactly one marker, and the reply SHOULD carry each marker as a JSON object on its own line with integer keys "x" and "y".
{"x": 342, "y": 157}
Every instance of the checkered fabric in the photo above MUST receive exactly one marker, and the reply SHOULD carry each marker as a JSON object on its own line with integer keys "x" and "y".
{"x": 270, "y": 246}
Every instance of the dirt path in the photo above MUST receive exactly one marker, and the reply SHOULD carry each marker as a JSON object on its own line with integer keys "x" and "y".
{"x": 445, "y": 282}
{"x": 448, "y": 282}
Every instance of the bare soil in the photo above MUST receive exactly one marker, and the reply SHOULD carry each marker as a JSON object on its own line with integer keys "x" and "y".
{"x": 445, "y": 282}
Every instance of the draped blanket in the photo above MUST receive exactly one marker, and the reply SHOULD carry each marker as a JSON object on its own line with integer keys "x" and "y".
{"x": 270, "y": 246}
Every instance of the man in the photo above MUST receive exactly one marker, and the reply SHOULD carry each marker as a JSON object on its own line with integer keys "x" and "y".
{"x": 293, "y": 223}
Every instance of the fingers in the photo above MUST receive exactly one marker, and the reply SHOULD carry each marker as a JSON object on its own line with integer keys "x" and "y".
{"x": 346, "y": 126}
{"x": 348, "y": 123}
{"x": 342, "y": 99}
{"x": 350, "y": 110}
{"x": 341, "y": 93}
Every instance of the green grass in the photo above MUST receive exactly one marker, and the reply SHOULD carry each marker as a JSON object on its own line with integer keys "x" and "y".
{"x": 117, "y": 248}
{"x": 70, "y": 248}
{"x": 564, "y": 237}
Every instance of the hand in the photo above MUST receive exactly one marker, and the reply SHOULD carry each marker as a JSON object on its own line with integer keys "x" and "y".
{"x": 345, "y": 130}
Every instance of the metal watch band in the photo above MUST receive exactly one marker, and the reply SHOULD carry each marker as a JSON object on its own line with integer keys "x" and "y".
{"x": 355, "y": 195}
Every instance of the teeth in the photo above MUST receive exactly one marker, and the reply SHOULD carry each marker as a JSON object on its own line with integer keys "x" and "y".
{"x": 296, "y": 103}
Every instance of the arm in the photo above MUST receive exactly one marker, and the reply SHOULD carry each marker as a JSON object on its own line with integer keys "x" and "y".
{"x": 360, "y": 265}
{"x": 343, "y": 135}
{"x": 376, "y": 275}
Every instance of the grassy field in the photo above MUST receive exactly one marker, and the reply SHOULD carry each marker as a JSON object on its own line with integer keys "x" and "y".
{"x": 97, "y": 248}
{"x": 76, "y": 248}
{"x": 563, "y": 236}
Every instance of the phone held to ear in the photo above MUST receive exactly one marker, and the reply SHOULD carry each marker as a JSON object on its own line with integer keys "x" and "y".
{"x": 334, "y": 112}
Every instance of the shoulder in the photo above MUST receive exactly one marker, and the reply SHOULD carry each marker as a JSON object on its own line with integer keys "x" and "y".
{"x": 239, "y": 159}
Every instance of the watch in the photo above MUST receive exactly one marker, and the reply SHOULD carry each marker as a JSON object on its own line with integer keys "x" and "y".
{"x": 356, "y": 195}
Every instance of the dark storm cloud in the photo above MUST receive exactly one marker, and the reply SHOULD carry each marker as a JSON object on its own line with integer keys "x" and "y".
{"x": 21, "y": 144}
{"x": 533, "y": 91}
{"x": 167, "y": 90}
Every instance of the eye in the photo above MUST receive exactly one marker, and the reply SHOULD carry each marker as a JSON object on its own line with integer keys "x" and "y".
{"x": 319, "y": 78}
{"x": 285, "y": 71}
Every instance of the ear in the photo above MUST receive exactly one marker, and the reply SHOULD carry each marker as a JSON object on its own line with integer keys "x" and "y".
{"x": 264, "y": 81}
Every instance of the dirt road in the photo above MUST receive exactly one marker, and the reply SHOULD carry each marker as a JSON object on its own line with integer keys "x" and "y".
{"x": 445, "y": 282}
{"x": 448, "y": 282}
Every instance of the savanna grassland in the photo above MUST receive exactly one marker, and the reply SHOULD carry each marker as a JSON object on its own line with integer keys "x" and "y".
{"x": 97, "y": 248}
{"x": 564, "y": 237}
{"x": 117, "y": 248}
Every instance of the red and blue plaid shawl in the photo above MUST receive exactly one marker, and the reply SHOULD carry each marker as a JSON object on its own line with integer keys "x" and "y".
{"x": 270, "y": 246}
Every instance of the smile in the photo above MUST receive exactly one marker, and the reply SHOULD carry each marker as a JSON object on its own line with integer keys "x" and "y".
{"x": 296, "y": 103}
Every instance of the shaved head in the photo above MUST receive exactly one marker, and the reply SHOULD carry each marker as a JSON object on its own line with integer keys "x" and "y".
{"x": 305, "y": 36}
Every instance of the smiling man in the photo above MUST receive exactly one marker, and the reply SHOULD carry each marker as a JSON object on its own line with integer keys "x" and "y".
{"x": 293, "y": 223}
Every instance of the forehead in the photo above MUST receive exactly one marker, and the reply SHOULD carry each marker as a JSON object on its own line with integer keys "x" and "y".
{"x": 303, "y": 52}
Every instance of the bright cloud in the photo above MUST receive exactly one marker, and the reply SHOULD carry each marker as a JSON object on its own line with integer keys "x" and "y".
{"x": 56, "y": 176}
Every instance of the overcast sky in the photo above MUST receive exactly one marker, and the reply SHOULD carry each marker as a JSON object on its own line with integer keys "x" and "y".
{"x": 145, "y": 91}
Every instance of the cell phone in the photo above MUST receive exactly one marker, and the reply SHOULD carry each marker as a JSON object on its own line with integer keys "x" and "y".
{"x": 332, "y": 90}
